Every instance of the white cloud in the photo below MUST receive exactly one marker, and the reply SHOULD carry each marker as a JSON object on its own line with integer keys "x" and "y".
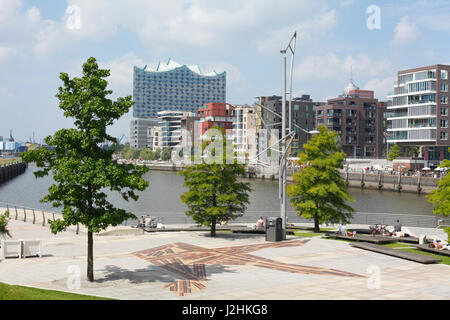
{"x": 345, "y": 3}
{"x": 315, "y": 26}
{"x": 7, "y": 52}
{"x": 164, "y": 26}
{"x": 331, "y": 66}
{"x": 405, "y": 32}
{"x": 381, "y": 86}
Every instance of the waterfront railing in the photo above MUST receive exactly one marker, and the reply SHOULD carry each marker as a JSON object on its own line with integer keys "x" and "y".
{"x": 41, "y": 216}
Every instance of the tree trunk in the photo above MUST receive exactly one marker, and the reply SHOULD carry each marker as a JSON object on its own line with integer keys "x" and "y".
{"x": 316, "y": 224}
{"x": 90, "y": 257}
{"x": 213, "y": 228}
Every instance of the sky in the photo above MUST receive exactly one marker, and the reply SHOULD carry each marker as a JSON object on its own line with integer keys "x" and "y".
{"x": 40, "y": 39}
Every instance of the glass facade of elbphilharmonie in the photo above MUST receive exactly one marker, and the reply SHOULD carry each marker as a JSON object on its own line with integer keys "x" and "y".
{"x": 175, "y": 87}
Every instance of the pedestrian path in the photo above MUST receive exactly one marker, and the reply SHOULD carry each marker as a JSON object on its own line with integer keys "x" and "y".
{"x": 191, "y": 265}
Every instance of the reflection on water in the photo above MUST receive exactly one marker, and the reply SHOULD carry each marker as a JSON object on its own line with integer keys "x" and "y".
{"x": 162, "y": 197}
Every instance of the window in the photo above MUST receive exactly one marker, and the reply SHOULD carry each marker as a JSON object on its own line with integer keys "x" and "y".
{"x": 444, "y": 135}
{"x": 444, "y": 99}
{"x": 444, "y": 111}
{"x": 444, "y": 74}
{"x": 444, "y": 87}
{"x": 444, "y": 123}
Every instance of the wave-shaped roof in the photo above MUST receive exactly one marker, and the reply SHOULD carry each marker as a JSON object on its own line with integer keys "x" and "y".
{"x": 172, "y": 65}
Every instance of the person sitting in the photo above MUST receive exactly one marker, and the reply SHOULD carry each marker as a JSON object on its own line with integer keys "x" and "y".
{"x": 344, "y": 232}
{"x": 398, "y": 234}
{"x": 260, "y": 223}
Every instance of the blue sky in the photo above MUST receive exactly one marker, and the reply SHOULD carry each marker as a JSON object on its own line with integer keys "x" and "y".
{"x": 38, "y": 40}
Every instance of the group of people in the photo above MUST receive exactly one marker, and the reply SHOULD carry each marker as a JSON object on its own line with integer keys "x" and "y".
{"x": 439, "y": 245}
{"x": 380, "y": 229}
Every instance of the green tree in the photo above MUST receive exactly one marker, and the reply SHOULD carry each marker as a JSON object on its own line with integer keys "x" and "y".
{"x": 80, "y": 168}
{"x": 4, "y": 224}
{"x": 146, "y": 154}
{"x": 318, "y": 191}
{"x": 440, "y": 197}
{"x": 394, "y": 152}
{"x": 158, "y": 152}
{"x": 215, "y": 193}
{"x": 166, "y": 154}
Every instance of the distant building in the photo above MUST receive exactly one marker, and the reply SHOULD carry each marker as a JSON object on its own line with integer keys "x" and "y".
{"x": 216, "y": 115}
{"x": 140, "y": 133}
{"x": 245, "y": 137}
{"x": 303, "y": 115}
{"x": 175, "y": 87}
{"x": 170, "y": 127}
{"x": 419, "y": 114}
{"x": 358, "y": 118}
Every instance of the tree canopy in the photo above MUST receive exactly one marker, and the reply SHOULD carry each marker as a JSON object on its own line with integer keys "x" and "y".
{"x": 440, "y": 197}
{"x": 318, "y": 191}
{"x": 81, "y": 169}
{"x": 215, "y": 193}
{"x": 394, "y": 152}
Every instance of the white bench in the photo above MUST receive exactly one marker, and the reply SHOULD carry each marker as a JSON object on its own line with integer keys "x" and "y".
{"x": 11, "y": 249}
{"x": 31, "y": 248}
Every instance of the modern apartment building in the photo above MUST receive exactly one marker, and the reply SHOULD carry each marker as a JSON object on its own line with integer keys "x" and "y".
{"x": 419, "y": 114}
{"x": 245, "y": 137}
{"x": 358, "y": 118}
{"x": 141, "y": 133}
{"x": 170, "y": 127}
{"x": 303, "y": 115}
{"x": 175, "y": 87}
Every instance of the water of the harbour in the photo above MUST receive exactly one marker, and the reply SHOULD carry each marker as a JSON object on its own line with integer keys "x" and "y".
{"x": 162, "y": 198}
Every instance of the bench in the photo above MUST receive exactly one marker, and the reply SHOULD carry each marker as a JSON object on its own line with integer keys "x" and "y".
{"x": 425, "y": 247}
{"x": 371, "y": 239}
{"x": 11, "y": 249}
{"x": 416, "y": 257}
{"x": 403, "y": 239}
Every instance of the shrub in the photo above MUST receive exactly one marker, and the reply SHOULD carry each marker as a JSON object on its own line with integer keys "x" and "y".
{"x": 4, "y": 224}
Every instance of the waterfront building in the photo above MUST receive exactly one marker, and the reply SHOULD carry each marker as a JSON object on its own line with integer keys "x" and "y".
{"x": 303, "y": 115}
{"x": 245, "y": 137}
{"x": 175, "y": 87}
{"x": 358, "y": 118}
{"x": 170, "y": 127}
{"x": 191, "y": 125}
{"x": 216, "y": 115}
{"x": 141, "y": 133}
{"x": 419, "y": 114}
{"x": 155, "y": 136}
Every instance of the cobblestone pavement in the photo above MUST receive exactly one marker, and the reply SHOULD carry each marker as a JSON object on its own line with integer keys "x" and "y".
{"x": 191, "y": 265}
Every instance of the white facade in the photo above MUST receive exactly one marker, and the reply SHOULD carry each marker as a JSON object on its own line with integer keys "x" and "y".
{"x": 245, "y": 137}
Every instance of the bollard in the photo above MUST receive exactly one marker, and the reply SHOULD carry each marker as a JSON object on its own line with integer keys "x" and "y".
{"x": 34, "y": 217}
{"x": 43, "y": 218}
{"x": 419, "y": 188}
{"x": 53, "y": 217}
{"x": 25, "y": 215}
{"x": 16, "y": 212}
{"x": 78, "y": 228}
{"x": 362, "y": 180}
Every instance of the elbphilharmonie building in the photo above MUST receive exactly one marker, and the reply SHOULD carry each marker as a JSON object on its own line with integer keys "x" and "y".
{"x": 175, "y": 87}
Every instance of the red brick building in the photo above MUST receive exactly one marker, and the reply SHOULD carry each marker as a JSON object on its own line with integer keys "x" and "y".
{"x": 216, "y": 114}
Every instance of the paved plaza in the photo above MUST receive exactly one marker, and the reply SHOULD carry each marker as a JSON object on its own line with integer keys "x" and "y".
{"x": 191, "y": 265}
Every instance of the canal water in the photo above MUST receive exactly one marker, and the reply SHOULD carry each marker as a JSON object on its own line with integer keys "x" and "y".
{"x": 162, "y": 198}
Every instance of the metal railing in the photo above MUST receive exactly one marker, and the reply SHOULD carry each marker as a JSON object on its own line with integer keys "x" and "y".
{"x": 41, "y": 217}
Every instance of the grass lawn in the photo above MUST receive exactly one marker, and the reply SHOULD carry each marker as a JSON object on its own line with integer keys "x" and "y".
{"x": 445, "y": 259}
{"x": 306, "y": 234}
{"x": 8, "y": 292}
